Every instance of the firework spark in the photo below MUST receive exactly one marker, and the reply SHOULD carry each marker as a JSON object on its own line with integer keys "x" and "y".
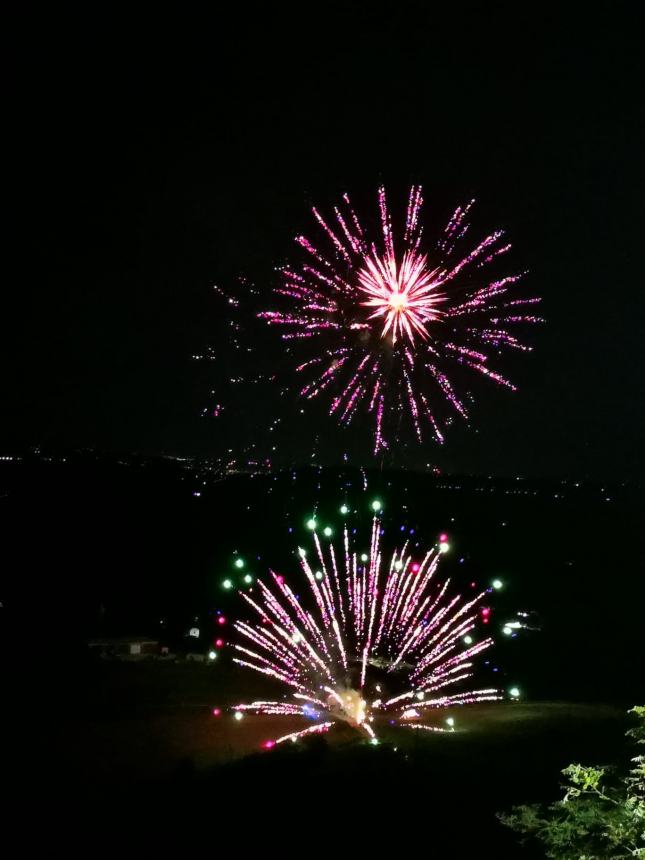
{"x": 380, "y": 638}
{"x": 387, "y": 328}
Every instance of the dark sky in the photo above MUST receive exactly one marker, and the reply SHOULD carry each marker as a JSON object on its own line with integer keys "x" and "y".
{"x": 156, "y": 154}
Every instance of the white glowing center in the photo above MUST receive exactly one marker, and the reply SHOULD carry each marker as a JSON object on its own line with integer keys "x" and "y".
{"x": 398, "y": 301}
{"x": 349, "y": 705}
{"x": 404, "y": 294}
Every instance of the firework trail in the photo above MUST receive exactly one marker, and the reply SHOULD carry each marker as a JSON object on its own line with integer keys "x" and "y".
{"x": 383, "y": 328}
{"x": 381, "y": 637}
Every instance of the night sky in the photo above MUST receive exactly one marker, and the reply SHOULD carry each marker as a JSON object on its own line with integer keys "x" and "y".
{"x": 152, "y": 157}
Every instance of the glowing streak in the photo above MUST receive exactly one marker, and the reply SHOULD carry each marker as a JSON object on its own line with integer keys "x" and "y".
{"x": 312, "y": 730}
{"x": 426, "y": 728}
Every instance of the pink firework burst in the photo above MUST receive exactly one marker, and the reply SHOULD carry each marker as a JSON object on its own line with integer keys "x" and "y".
{"x": 377, "y": 638}
{"x": 394, "y": 330}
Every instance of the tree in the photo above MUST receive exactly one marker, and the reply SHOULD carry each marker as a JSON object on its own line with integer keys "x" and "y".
{"x": 600, "y": 817}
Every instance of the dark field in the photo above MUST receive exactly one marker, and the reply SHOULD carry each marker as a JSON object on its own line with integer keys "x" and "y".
{"x": 147, "y": 730}
{"x": 146, "y": 720}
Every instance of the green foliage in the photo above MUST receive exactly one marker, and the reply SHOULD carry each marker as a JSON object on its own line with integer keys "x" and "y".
{"x": 600, "y": 817}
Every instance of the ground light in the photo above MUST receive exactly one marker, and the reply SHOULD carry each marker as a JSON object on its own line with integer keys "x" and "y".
{"x": 450, "y": 721}
{"x": 514, "y": 692}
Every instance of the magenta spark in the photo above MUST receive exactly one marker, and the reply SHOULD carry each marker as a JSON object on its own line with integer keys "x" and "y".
{"x": 375, "y": 638}
{"x": 390, "y": 329}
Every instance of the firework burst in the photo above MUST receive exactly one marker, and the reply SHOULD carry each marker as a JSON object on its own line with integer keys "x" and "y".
{"x": 382, "y": 637}
{"x": 384, "y": 329}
